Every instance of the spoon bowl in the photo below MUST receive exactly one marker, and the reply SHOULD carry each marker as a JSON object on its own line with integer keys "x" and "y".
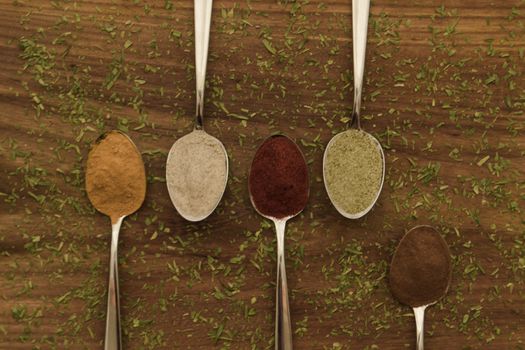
{"x": 276, "y": 205}
{"x": 184, "y": 174}
{"x": 96, "y": 186}
{"x": 334, "y": 202}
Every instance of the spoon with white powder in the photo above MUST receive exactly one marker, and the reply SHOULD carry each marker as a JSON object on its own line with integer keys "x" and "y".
{"x": 197, "y": 165}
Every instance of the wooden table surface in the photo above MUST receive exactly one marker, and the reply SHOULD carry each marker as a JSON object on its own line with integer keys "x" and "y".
{"x": 444, "y": 93}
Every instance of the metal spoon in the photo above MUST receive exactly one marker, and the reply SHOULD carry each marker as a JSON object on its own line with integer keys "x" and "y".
{"x": 99, "y": 198}
{"x": 203, "y": 10}
{"x": 360, "y": 12}
{"x": 419, "y": 315}
{"x": 418, "y": 309}
{"x": 283, "y": 323}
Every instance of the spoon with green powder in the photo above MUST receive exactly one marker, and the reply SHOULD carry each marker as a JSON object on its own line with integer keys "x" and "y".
{"x": 197, "y": 164}
{"x": 420, "y": 272}
{"x": 116, "y": 186}
{"x": 354, "y": 162}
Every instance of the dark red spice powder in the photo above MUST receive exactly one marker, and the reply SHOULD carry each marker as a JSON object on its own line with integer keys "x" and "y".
{"x": 421, "y": 267}
{"x": 278, "y": 180}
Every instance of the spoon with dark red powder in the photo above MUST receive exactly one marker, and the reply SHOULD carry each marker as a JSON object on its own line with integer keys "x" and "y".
{"x": 420, "y": 272}
{"x": 279, "y": 190}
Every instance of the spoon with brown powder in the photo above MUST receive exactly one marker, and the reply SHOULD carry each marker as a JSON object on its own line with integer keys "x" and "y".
{"x": 420, "y": 272}
{"x": 116, "y": 186}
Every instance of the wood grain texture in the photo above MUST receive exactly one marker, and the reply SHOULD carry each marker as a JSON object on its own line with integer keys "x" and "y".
{"x": 444, "y": 85}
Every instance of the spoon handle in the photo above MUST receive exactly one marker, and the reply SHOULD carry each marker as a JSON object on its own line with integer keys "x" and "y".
{"x": 202, "y": 38}
{"x": 283, "y": 323}
{"x": 360, "y": 11}
{"x": 419, "y": 313}
{"x": 113, "y": 340}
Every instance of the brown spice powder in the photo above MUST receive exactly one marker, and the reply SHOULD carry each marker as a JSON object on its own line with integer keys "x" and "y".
{"x": 421, "y": 267}
{"x": 115, "y": 176}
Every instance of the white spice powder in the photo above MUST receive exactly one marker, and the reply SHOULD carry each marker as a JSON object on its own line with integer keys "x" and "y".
{"x": 196, "y": 174}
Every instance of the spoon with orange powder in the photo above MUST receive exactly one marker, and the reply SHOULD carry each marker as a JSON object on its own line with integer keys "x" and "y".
{"x": 116, "y": 186}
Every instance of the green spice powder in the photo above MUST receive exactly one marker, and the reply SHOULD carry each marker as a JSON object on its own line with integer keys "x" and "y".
{"x": 353, "y": 171}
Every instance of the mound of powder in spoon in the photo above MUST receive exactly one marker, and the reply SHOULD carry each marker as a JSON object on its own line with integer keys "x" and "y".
{"x": 421, "y": 267}
{"x": 196, "y": 174}
{"x": 278, "y": 180}
{"x": 115, "y": 176}
{"x": 353, "y": 171}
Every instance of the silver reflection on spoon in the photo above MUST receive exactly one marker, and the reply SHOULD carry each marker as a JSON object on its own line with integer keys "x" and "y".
{"x": 197, "y": 164}
{"x": 356, "y": 185}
